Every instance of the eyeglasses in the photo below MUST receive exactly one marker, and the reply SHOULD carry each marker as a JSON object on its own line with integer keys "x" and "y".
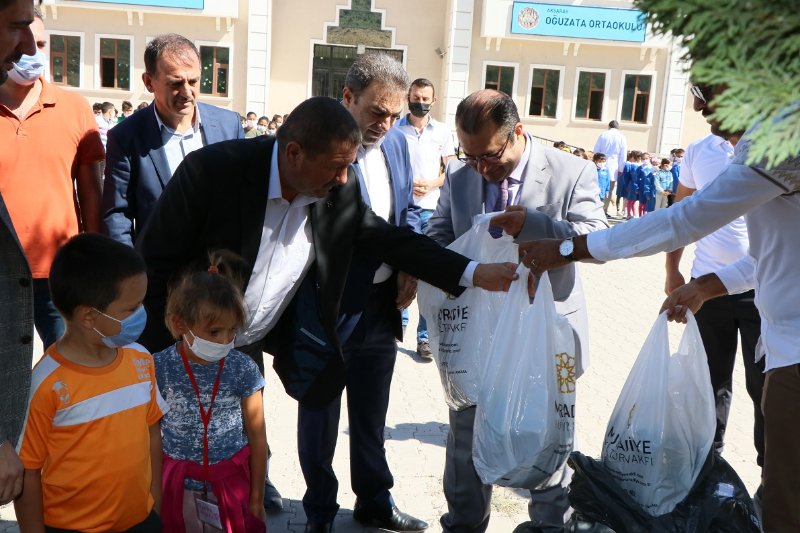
{"x": 700, "y": 92}
{"x": 491, "y": 159}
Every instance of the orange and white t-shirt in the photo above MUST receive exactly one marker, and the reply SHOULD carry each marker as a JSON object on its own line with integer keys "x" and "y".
{"x": 88, "y": 430}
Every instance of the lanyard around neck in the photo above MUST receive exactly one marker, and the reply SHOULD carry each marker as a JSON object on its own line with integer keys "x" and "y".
{"x": 205, "y": 416}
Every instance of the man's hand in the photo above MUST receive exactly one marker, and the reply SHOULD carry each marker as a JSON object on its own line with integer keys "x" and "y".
{"x": 495, "y": 276}
{"x": 542, "y": 255}
{"x": 674, "y": 280}
{"x": 406, "y": 290}
{"x": 512, "y": 220}
{"x": 690, "y": 297}
{"x": 422, "y": 187}
{"x": 11, "y": 473}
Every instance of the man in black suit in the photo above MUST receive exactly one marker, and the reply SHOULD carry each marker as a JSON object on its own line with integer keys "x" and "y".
{"x": 16, "y": 284}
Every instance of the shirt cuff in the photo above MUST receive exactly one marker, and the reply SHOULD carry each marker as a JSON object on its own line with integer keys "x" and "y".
{"x": 469, "y": 273}
{"x": 738, "y": 277}
{"x": 597, "y": 243}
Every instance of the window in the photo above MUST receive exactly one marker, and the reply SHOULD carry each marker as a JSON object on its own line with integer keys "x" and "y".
{"x": 636, "y": 98}
{"x": 65, "y": 60}
{"x": 214, "y": 61}
{"x": 330, "y": 66}
{"x": 591, "y": 93}
{"x": 544, "y": 93}
{"x": 500, "y": 79}
{"x": 115, "y": 63}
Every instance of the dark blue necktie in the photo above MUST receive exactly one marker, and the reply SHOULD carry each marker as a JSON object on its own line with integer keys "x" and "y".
{"x": 500, "y": 205}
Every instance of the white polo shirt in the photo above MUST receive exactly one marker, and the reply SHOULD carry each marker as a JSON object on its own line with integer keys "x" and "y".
{"x": 426, "y": 150}
{"x": 706, "y": 159}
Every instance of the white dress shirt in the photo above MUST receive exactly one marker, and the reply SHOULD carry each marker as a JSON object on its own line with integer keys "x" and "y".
{"x": 426, "y": 150}
{"x": 770, "y": 201}
{"x": 375, "y": 171}
{"x": 177, "y": 145}
{"x": 284, "y": 256}
{"x": 614, "y": 146}
{"x": 706, "y": 159}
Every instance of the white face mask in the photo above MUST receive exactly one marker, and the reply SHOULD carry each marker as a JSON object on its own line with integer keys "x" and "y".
{"x": 207, "y": 350}
{"x": 261, "y": 128}
{"x": 251, "y": 124}
{"x": 678, "y": 160}
{"x": 272, "y": 132}
{"x": 601, "y": 166}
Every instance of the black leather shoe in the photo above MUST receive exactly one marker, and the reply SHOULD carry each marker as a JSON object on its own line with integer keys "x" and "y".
{"x": 272, "y": 498}
{"x": 393, "y": 520}
{"x": 318, "y": 527}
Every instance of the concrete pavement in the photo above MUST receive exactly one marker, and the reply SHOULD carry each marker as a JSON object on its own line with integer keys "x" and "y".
{"x": 624, "y": 298}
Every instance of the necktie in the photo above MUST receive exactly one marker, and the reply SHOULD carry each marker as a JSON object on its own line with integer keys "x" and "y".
{"x": 500, "y": 205}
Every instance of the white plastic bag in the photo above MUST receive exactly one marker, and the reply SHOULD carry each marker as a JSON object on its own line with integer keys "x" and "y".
{"x": 525, "y": 419}
{"x": 460, "y": 329}
{"x": 662, "y": 427}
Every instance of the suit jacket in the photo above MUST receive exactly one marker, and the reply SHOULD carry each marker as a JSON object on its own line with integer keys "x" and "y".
{"x": 404, "y": 213}
{"x": 562, "y": 198}
{"x": 16, "y": 329}
{"x": 137, "y": 170}
{"x": 218, "y": 198}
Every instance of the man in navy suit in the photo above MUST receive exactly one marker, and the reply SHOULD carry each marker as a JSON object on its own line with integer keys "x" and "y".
{"x": 369, "y": 318}
{"x": 144, "y": 150}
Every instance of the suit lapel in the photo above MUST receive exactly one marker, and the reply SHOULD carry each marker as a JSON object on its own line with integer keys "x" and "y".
{"x": 388, "y": 156}
{"x": 209, "y": 126}
{"x": 253, "y": 199}
{"x": 155, "y": 147}
{"x": 473, "y": 189}
{"x": 536, "y": 178}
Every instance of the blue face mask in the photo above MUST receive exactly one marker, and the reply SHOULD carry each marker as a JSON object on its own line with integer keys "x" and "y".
{"x": 28, "y": 69}
{"x": 130, "y": 329}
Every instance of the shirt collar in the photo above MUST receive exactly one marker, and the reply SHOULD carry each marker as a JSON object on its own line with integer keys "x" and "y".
{"x": 198, "y": 120}
{"x": 274, "y": 192}
{"x": 405, "y": 122}
{"x": 364, "y": 151}
{"x": 517, "y": 175}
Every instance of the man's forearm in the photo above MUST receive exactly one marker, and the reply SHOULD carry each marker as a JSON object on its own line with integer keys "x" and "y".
{"x": 673, "y": 261}
{"x": 710, "y": 286}
{"x": 581, "y": 251}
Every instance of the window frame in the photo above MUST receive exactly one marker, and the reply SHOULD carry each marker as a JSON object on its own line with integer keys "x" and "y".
{"x": 651, "y": 101}
{"x": 559, "y": 104}
{"x": 515, "y": 82}
{"x": 82, "y": 36}
{"x": 97, "y": 62}
{"x": 218, "y": 44}
{"x": 606, "y": 89}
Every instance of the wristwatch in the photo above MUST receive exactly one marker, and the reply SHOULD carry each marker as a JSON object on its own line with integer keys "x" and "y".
{"x": 566, "y": 248}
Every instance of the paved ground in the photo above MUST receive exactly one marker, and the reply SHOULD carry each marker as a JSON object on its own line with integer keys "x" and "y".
{"x": 623, "y": 297}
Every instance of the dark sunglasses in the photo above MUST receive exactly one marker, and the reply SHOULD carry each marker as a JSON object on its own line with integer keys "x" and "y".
{"x": 491, "y": 159}
{"x": 700, "y": 92}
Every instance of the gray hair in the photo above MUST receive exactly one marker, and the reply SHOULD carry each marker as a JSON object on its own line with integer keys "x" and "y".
{"x": 379, "y": 68}
{"x": 170, "y": 44}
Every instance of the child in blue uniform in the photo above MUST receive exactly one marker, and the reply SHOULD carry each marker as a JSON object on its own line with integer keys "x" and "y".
{"x": 632, "y": 183}
{"x": 602, "y": 176}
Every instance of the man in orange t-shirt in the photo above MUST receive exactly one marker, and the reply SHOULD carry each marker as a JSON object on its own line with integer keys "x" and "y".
{"x": 50, "y": 144}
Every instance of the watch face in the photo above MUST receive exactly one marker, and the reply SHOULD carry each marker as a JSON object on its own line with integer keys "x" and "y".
{"x": 566, "y": 248}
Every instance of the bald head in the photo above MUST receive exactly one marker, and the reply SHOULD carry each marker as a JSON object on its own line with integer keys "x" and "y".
{"x": 487, "y": 107}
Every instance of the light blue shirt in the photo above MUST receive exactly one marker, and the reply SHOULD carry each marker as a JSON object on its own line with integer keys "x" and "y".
{"x": 663, "y": 179}
{"x": 177, "y": 145}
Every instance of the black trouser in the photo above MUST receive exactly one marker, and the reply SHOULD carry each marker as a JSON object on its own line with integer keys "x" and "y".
{"x": 151, "y": 524}
{"x": 719, "y": 320}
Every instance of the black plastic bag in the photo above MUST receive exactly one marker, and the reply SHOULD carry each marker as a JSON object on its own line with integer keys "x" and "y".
{"x": 717, "y": 503}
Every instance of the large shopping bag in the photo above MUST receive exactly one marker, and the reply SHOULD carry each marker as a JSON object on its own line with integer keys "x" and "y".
{"x": 525, "y": 419}
{"x": 662, "y": 427}
{"x": 460, "y": 329}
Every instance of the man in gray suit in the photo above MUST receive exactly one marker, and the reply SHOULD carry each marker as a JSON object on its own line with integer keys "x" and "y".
{"x": 544, "y": 192}
{"x": 16, "y": 283}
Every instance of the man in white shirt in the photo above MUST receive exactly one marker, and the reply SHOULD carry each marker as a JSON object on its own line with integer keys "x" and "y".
{"x": 613, "y": 144}
{"x": 770, "y": 200}
{"x": 721, "y": 318}
{"x": 374, "y": 90}
{"x": 430, "y": 145}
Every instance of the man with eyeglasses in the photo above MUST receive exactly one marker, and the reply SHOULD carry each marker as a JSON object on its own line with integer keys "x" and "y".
{"x": 542, "y": 192}
{"x": 721, "y": 318}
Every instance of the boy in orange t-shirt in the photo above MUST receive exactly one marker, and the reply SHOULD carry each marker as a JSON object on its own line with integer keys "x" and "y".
{"x": 91, "y": 442}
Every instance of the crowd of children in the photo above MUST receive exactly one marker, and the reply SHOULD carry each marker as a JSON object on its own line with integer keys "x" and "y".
{"x": 646, "y": 184}
{"x": 102, "y": 449}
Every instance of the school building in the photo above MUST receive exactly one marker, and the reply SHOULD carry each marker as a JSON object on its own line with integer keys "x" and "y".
{"x": 570, "y": 66}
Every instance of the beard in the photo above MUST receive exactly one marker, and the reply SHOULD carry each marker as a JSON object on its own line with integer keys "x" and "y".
{"x": 3, "y": 76}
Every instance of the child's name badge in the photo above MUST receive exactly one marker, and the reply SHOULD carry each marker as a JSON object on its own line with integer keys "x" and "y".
{"x": 208, "y": 513}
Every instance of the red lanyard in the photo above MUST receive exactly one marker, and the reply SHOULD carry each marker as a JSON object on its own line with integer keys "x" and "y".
{"x": 205, "y": 416}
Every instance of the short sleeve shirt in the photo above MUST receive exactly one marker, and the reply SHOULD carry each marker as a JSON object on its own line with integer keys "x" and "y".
{"x": 40, "y": 157}
{"x": 87, "y": 429}
{"x": 182, "y": 427}
{"x": 426, "y": 150}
